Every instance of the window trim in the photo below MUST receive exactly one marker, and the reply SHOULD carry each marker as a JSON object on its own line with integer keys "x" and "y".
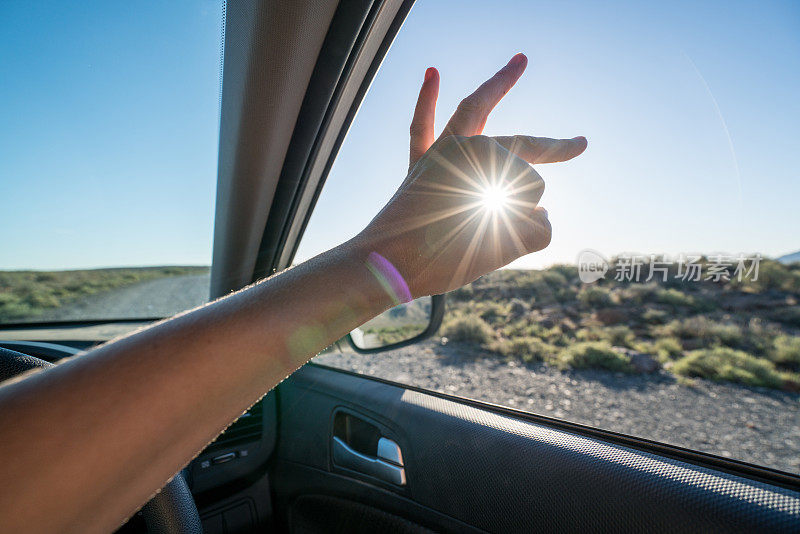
{"x": 357, "y": 42}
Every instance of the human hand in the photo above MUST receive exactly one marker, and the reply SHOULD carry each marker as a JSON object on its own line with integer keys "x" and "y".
{"x": 469, "y": 204}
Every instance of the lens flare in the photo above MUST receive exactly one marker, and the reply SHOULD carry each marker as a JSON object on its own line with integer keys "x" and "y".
{"x": 495, "y": 197}
{"x": 483, "y": 202}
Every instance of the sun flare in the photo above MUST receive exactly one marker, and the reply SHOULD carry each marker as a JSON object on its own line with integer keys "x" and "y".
{"x": 494, "y": 198}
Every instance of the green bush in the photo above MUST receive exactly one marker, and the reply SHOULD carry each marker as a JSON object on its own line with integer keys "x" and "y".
{"x": 724, "y": 364}
{"x": 674, "y": 297}
{"x": 553, "y": 278}
{"x": 668, "y": 348}
{"x": 759, "y": 336}
{"x": 468, "y": 328}
{"x": 589, "y": 334}
{"x": 640, "y": 293}
{"x": 679, "y": 299}
{"x": 773, "y": 275}
{"x": 593, "y": 355}
{"x": 527, "y": 349}
{"x": 546, "y": 286}
{"x": 568, "y": 272}
{"x": 555, "y": 336}
{"x": 462, "y": 294}
{"x": 394, "y": 334}
{"x": 654, "y": 316}
{"x": 705, "y": 330}
{"x": 619, "y": 335}
{"x": 786, "y": 351}
{"x": 523, "y": 327}
{"x": 595, "y": 296}
{"x": 492, "y": 312}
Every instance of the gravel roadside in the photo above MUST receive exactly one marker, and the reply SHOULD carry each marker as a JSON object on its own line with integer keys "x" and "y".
{"x": 161, "y": 297}
{"x": 756, "y": 425}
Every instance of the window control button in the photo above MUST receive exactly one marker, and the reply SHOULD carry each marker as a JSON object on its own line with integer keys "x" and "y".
{"x": 222, "y": 458}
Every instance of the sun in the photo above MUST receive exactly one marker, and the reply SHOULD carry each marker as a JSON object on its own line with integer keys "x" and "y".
{"x": 494, "y": 197}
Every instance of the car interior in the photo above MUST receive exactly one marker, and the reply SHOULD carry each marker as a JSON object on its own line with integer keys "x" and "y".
{"x": 330, "y": 450}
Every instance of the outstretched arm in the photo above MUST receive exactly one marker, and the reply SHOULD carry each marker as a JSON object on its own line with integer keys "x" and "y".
{"x": 173, "y": 386}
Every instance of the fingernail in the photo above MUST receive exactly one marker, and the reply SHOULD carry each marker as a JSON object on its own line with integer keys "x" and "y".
{"x": 578, "y": 138}
{"x": 545, "y": 212}
{"x": 429, "y": 73}
{"x": 518, "y": 59}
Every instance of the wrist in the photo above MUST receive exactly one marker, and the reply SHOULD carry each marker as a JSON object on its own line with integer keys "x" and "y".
{"x": 380, "y": 285}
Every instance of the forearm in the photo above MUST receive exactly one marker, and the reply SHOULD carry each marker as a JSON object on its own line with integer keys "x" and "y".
{"x": 109, "y": 426}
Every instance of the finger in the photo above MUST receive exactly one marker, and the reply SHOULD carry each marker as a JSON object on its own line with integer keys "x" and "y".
{"x": 525, "y": 233}
{"x": 543, "y": 149}
{"x": 424, "y": 114}
{"x": 482, "y": 125}
{"x": 471, "y": 114}
{"x": 538, "y": 232}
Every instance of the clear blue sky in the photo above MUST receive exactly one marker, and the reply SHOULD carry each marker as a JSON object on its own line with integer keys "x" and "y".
{"x": 109, "y": 120}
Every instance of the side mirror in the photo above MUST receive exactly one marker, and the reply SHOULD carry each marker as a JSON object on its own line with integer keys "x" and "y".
{"x": 402, "y": 325}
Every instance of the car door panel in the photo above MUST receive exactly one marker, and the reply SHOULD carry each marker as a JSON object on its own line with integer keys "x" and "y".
{"x": 499, "y": 473}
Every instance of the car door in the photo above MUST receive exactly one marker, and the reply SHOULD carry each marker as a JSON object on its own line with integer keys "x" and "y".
{"x": 590, "y": 419}
{"x": 476, "y": 467}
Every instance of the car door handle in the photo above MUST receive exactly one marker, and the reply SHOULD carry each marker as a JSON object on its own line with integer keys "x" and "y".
{"x": 349, "y": 458}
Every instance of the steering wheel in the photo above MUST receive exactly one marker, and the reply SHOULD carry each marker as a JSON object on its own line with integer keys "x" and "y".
{"x": 171, "y": 511}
